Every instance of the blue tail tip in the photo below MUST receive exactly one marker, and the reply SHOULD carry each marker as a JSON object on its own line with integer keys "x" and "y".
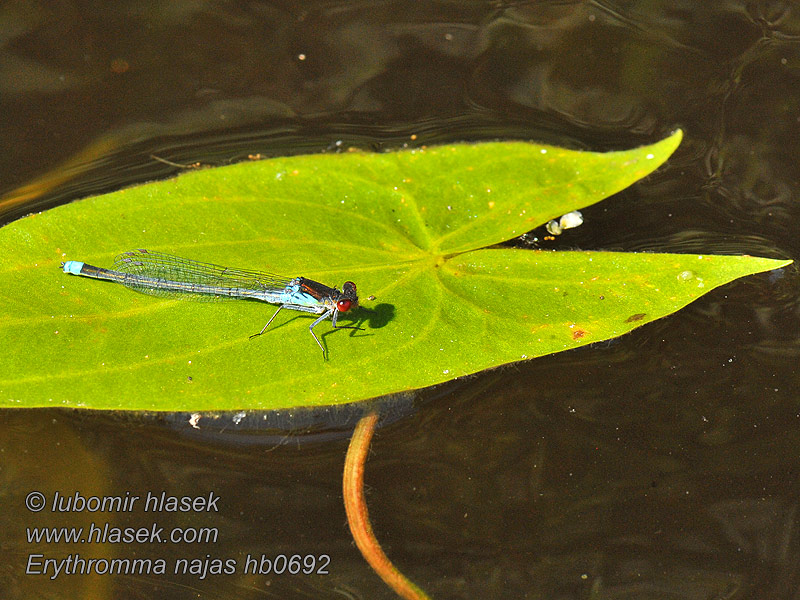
{"x": 72, "y": 267}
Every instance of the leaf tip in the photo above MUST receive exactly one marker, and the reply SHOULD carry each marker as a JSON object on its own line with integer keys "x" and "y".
{"x": 670, "y": 143}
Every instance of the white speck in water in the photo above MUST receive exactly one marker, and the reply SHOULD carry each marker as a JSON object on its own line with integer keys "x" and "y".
{"x": 238, "y": 417}
{"x": 567, "y": 221}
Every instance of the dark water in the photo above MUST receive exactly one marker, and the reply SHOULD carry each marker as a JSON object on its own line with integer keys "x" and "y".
{"x": 665, "y": 464}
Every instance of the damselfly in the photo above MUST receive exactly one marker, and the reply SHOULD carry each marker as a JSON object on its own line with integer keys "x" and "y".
{"x": 165, "y": 275}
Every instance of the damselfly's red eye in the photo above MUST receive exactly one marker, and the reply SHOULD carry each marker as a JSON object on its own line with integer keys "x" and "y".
{"x": 343, "y": 305}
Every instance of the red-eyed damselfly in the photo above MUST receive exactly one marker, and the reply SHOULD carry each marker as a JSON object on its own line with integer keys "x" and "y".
{"x": 165, "y": 275}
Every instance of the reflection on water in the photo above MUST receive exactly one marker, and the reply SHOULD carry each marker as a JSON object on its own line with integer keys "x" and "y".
{"x": 657, "y": 465}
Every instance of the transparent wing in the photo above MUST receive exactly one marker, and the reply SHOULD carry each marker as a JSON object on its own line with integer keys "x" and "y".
{"x": 151, "y": 270}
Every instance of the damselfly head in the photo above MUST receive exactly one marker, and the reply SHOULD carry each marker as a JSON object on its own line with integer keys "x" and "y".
{"x": 349, "y": 298}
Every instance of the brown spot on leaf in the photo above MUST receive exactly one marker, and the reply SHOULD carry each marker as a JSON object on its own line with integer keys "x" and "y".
{"x": 636, "y": 317}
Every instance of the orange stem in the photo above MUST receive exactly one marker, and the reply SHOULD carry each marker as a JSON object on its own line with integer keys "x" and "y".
{"x": 357, "y": 517}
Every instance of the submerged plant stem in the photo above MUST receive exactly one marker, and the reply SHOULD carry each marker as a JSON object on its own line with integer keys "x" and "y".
{"x": 358, "y": 519}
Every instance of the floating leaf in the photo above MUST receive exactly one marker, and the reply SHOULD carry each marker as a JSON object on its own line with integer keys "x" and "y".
{"x": 409, "y": 227}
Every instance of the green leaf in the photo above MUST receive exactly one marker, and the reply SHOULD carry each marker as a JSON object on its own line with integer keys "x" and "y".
{"x": 407, "y": 226}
